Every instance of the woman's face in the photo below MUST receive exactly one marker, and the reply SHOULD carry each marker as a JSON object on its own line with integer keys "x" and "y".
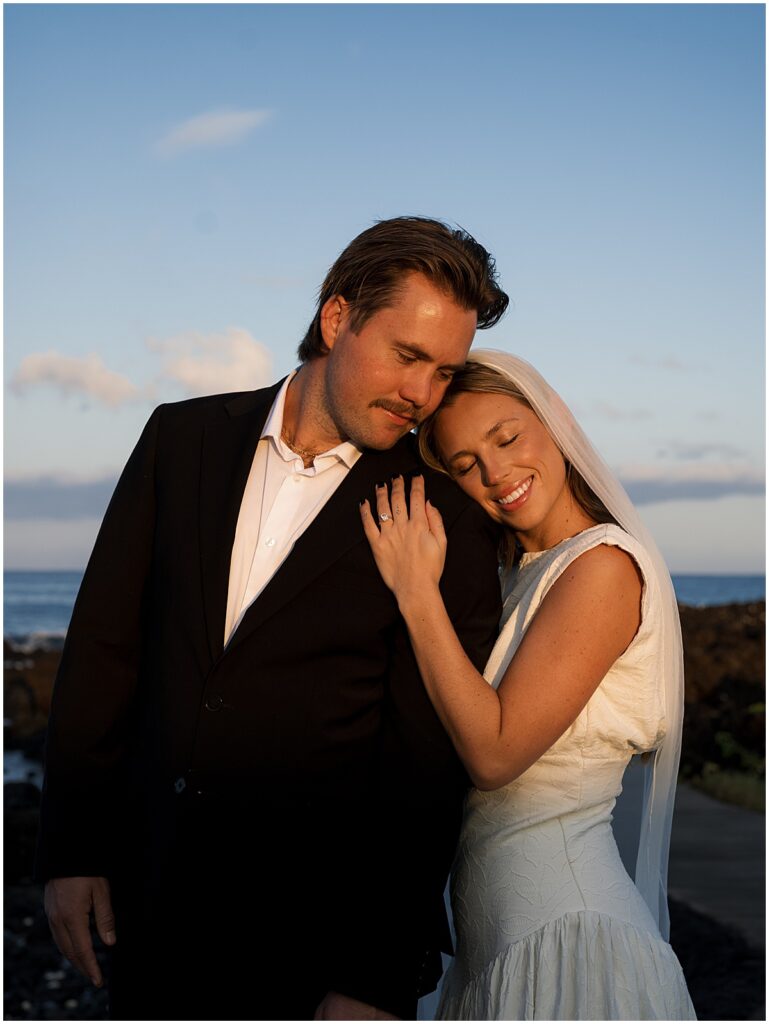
{"x": 499, "y": 453}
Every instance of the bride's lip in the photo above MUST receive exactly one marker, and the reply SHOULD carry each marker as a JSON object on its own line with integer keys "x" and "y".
{"x": 519, "y": 493}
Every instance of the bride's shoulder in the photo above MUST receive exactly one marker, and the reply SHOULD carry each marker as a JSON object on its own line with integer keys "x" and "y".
{"x": 610, "y": 566}
{"x": 601, "y": 589}
{"x": 607, "y": 558}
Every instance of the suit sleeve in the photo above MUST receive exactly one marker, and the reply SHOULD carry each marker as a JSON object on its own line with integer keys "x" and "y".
{"x": 96, "y": 683}
{"x": 398, "y": 923}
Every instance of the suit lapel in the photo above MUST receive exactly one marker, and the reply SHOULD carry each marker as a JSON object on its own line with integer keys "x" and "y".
{"x": 229, "y": 444}
{"x": 335, "y": 530}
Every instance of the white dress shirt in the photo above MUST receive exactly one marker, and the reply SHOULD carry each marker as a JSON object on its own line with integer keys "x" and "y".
{"x": 279, "y": 502}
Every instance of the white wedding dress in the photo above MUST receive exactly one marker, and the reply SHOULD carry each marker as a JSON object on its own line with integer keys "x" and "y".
{"x": 549, "y": 925}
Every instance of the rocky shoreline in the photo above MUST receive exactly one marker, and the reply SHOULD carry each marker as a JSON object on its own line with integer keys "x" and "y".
{"x": 724, "y": 731}
{"x": 725, "y": 674}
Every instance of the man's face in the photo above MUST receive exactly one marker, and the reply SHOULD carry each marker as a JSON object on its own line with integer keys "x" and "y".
{"x": 392, "y": 374}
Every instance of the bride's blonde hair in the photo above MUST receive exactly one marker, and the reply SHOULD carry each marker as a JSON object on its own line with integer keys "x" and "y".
{"x": 481, "y": 379}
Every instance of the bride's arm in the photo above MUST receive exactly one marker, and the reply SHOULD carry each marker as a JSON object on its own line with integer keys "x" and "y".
{"x": 588, "y": 618}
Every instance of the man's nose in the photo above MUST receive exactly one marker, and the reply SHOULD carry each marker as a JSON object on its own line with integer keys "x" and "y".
{"x": 418, "y": 388}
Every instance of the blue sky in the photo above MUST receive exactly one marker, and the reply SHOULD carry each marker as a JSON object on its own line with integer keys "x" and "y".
{"x": 179, "y": 177}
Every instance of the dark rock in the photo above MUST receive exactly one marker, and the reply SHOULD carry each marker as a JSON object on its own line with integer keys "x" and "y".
{"x": 20, "y": 795}
{"x": 19, "y": 839}
{"x": 28, "y": 679}
{"x": 723, "y": 645}
{"x": 21, "y": 805}
{"x": 726, "y": 977}
{"x": 724, "y": 665}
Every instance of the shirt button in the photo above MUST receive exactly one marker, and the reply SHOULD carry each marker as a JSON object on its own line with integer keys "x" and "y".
{"x": 270, "y": 542}
{"x": 296, "y": 479}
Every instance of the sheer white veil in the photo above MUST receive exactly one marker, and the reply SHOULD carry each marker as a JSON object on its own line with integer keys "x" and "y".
{"x": 660, "y": 771}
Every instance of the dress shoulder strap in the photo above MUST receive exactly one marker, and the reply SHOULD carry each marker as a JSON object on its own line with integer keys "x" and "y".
{"x": 563, "y": 554}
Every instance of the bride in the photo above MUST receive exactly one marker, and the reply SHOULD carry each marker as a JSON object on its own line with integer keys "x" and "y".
{"x": 587, "y": 672}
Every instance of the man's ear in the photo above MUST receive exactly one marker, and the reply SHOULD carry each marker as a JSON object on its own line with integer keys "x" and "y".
{"x": 333, "y": 314}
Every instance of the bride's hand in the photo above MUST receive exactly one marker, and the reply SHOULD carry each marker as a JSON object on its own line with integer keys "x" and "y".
{"x": 408, "y": 540}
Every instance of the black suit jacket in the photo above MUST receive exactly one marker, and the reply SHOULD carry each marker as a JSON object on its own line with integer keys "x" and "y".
{"x": 312, "y": 727}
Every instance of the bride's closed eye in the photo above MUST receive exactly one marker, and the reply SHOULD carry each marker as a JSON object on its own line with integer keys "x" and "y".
{"x": 464, "y": 470}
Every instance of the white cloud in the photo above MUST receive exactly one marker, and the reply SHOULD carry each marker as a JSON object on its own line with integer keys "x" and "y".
{"x": 663, "y": 363}
{"x": 219, "y": 128}
{"x": 613, "y": 412}
{"x": 698, "y": 481}
{"x": 724, "y": 536}
{"x": 49, "y": 544}
{"x": 73, "y": 375}
{"x": 51, "y": 496}
{"x": 206, "y": 364}
{"x": 687, "y": 450}
{"x": 713, "y": 471}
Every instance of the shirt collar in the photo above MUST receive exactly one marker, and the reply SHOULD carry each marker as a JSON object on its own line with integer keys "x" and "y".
{"x": 345, "y": 452}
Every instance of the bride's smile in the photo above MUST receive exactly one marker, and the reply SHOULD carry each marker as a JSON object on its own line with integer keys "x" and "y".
{"x": 518, "y": 494}
{"x": 499, "y": 452}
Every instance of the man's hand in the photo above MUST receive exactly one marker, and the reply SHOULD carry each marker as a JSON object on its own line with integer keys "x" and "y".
{"x": 68, "y": 904}
{"x": 337, "y": 1007}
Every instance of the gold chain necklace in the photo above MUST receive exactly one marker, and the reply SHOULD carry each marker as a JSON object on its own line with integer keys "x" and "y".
{"x": 307, "y": 454}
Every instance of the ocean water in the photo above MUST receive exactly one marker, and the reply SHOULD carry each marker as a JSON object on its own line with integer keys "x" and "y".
{"x": 37, "y": 605}
{"x": 701, "y": 591}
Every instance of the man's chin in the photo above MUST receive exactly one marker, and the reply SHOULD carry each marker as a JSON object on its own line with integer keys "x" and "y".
{"x": 382, "y": 442}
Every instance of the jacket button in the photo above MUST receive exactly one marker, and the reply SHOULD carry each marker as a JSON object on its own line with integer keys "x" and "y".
{"x": 214, "y": 704}
{"x": 180, "y": 785}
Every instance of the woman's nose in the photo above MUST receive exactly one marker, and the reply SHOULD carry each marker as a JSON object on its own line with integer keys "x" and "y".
{"x": 494, "y": 472}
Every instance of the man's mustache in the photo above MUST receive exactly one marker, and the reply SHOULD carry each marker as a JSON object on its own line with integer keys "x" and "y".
{"x": 409, "y": 411}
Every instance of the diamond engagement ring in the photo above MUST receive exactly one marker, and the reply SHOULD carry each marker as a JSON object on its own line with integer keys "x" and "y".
{"x": 384, "y": 516}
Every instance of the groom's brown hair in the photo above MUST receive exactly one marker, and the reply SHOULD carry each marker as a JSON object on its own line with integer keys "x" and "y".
{"x": 368, "y": 273}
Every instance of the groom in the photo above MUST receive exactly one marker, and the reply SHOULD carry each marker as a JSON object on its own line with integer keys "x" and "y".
{"x": 246, "y": 786}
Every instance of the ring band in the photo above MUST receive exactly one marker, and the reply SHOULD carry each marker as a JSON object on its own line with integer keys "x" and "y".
{"x": 397, "y": 510}
{"x": 384, "y": 516}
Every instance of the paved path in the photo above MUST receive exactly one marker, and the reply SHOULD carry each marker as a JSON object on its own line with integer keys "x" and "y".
{"x": 717, "y": 862}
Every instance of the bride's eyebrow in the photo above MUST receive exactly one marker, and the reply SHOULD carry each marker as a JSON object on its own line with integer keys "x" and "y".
{"x": 496, "y": 426}
{"x": 457, "y": 455}
{"x": 489, "y": 433}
